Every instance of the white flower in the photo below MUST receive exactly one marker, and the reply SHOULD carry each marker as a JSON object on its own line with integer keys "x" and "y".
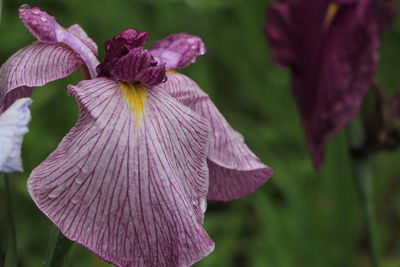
{"x": 13, "y": 125}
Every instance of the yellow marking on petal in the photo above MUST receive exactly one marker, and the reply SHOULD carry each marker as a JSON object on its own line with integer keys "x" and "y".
{"x": 136, "y": 95}
{"x": 171, "y": 71}
{"x": 330, "y": 14}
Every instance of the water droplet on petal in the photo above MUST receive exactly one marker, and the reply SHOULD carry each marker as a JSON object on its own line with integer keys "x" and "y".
{"x": 36, "y": 11}
{"x": 75, "y": 200}
{"x": 55, "y": 193}
{"x": 79, "y": 180}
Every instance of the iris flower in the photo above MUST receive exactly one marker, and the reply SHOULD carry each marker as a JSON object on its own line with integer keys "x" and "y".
{"x": 331, "y": 50}
{"x": 131, "y": 180}
{"x": 13, "y": 125}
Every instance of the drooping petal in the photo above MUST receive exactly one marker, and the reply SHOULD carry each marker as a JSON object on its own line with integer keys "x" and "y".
{"x": 13, "y": 125}
{"x": 34, "y": 65}
{"x": 130, "y": 180}
{"x": 331, "y": 50}
{"x": 79, "y": 33}
{"x": 178, "y": 50}
{"x": 234, "y": 170}
{"x": 46, "y": 29}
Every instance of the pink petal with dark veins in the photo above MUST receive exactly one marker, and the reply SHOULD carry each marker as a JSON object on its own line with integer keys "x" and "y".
{"x": 132, "y": 192}
{"x": 46, "y": 29}
{"x": 34, "y": 65}
{"x": 178, "y": 50}
{"x": 234, "y": 170}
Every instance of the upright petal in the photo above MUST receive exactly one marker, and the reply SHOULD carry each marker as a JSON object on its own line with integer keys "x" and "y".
{"x": 132, "y": 190}
{"x": 13, "y": 125}
{"x": 234, "y": 170}
{"x": 178, "y": 50}
{"x": 34, "y": 65}
{"x": 79, "y": 33}
{"x": 126, "y": 60}
{"x": 46, "y": 29}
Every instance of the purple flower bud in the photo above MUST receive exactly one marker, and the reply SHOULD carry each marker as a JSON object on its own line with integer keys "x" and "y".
{"x": 126, "y": 60}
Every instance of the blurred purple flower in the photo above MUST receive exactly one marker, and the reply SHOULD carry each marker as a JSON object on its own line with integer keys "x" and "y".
{"x": 57, "y": 54}
{"x": 331, "y": 50}
{"x": 131, "y": 180}
{"x": 13, "y": 126}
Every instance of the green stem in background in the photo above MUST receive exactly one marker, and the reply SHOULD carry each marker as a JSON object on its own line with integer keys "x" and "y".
{"x": 57, "y": 249}
{"x": 363, "y": 179}
{"x": 1, "y": 9}
{"x": 11, "y": 256}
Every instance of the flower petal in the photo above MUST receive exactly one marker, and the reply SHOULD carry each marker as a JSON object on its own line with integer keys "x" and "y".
{"x": 234, "y": 170}
{"x": 46, "y": 29}
{"x": 34, "y": 65}
{"x": 332, "y": 55}
{"x": 13, "y": 125}
{"x": 137, "y": 65}
{"x": 178, "y": 50}
{"x": 133, "y": 193}
{"x": 43, "y": 26}
{"x": 79, "y": 33}
{"x": 278, "y": 31}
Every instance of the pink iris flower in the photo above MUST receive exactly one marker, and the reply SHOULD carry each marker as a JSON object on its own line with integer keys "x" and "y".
{"x": 131, "y": 180}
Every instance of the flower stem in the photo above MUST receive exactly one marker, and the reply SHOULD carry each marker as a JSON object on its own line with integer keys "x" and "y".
{"x": 57, "y": 249}
{"x": 1, "y": 9}
{"x": 11, "y": 256}
{"x": 363, "y": 179}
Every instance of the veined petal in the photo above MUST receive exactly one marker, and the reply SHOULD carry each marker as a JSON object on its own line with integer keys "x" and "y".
{"x": 34, "y": 65}
{"x": 234, "y": 170}
{"x": 46, "y": 29}
{"x": 178, "y": 50}
{"x": 13, "y": 125}
{"x": 133, "y": 193}
{"x": 79, "y": 33}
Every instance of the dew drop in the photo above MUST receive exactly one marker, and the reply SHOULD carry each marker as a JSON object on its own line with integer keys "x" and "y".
{"x": 79, "y": 180}
{"x": 55, "y": 193}
{"x": 75, "y": 200}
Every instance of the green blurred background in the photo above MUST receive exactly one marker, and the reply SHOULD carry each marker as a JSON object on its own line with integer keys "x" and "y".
{"x": 299, "y": 217}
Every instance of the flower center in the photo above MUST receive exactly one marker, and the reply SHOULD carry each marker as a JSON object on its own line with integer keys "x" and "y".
{"x": 136, "y": 96}
{"x": 330, "y": 14}
{"x": 126, "y": 60}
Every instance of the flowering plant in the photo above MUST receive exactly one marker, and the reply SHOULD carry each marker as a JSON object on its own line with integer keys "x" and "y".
{"x": 131, "y": 179}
